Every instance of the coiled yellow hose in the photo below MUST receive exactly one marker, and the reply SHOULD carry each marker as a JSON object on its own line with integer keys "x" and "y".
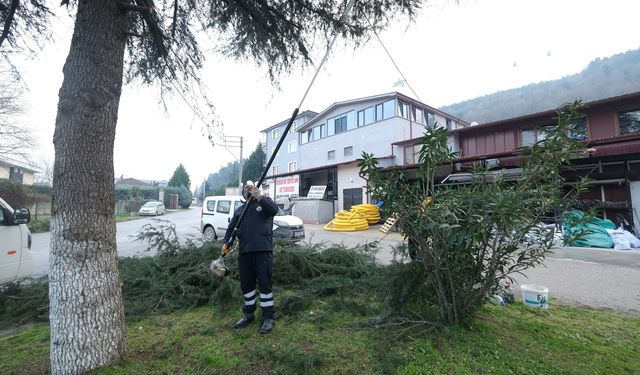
{"x": 358, "y": 218}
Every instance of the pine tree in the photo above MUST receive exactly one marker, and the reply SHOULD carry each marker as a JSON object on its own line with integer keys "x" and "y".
{"x": 152, "y": 43}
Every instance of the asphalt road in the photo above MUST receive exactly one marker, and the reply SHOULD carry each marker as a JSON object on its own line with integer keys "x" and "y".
{"x": 593, "y": 277}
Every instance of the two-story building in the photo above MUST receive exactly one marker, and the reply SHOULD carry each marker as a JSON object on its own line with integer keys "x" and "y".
{"x": 330, "y": 143}
{"x": 611, "y": 130}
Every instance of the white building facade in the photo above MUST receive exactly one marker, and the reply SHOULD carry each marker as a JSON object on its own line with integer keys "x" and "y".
{"x": 331, "y": 142}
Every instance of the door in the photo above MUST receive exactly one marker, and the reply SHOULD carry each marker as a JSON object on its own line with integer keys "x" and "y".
{"x": 10, "y": 248}
{"x": 351, "y": 197}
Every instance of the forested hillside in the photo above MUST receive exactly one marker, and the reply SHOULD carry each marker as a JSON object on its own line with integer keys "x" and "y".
{"x": 603, "y": 78}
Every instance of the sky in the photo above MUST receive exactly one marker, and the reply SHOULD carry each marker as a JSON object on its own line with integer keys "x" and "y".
{"x": 454, "y": 51}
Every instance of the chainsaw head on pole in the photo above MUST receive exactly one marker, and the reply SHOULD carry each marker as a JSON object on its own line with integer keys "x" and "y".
{"x": 218, "y": 269}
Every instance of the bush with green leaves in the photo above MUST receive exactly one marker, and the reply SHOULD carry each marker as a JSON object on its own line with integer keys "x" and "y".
{"x": 468, "y": 238}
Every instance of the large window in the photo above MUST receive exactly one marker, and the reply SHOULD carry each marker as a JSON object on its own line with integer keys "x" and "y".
{"x": 275, "y": 170}
{"x": 388, "y": 110}
{"x": 403, "y": 109}
{"x": 366, "y": 116}
{"x": 412, "y": 154}
{"x": 223, "y": 207}
{"x": 431, "y": 119}
{"x": 629, "y": 122}
{"x": 292, "y": 146}
{"x": 275, "y": 134}
{"x": 340, "y": 124}
{"x": 528, "y": 137}
{"x": 293, "y": 166}
{"x": 416, "y": 115}
{"x": 578, "y": 130}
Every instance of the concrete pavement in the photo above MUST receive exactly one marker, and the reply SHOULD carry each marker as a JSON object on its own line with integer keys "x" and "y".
{"x": 600, "y": 278}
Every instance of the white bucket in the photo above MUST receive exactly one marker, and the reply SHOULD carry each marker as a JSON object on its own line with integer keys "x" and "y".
{"x": 536, "y": 296}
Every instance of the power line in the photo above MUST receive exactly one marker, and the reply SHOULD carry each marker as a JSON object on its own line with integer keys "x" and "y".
{"x": 392, "y": 60}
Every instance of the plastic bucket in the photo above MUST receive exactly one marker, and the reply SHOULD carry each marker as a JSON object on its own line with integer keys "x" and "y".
{"x": 536, "y": 296}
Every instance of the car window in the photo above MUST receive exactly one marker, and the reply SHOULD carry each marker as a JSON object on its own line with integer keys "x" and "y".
{"x": 281, "y": 212}
{"x": 1, "y": 216}
{"x": 224, "y": 207}
{"x": 237, "y": 205}
{"x": 211, "y": 205}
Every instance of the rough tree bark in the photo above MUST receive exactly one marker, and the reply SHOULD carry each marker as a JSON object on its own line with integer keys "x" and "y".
{"x": 86, "y": 310}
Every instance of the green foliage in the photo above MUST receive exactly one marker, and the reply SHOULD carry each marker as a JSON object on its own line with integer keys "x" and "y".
{"x": 602, "y": 78}
{"x": 15, "y": 193}
{"x": 472, "y": 236}
{"x": 184, "y": 196}
{"x": 254, "y": 165}
{"x": 41, "y": 225}
{"x": 24, "y": 302}
{"x": 180, "y": 178}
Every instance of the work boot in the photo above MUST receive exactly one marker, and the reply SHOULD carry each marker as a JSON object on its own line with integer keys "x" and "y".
{"x": 267, "y": 325}
{"x": 244, "y": 321}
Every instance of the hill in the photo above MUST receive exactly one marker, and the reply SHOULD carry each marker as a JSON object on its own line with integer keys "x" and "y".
{"x": 602, "y": 78}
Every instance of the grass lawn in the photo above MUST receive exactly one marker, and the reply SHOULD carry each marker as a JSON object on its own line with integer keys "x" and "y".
{"x": 121, "y": 218}
{"x": 503, "y": 340}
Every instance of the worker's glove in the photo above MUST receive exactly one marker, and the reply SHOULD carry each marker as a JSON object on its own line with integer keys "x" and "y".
{"x": 256, "y": 194}
{"x": 226, "y": 248}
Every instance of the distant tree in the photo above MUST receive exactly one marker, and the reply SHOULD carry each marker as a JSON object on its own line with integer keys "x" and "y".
{"x": 180, "y": 177}
{"x": 254, "y": 165}
{"x": 16, "y": 140}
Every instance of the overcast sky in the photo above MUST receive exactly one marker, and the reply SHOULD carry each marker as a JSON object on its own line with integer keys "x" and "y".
{"x": 454, "y": 51}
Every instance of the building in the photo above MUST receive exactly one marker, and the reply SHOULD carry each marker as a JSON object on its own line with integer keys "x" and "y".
{"x": 16, "y": 170}
{"x": 287, "y": 160}
{"x": 329, "y": 144}
{"x": 611, "y": 129}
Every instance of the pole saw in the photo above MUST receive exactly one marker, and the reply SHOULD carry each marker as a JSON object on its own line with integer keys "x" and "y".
{"x": 217, "y": 267}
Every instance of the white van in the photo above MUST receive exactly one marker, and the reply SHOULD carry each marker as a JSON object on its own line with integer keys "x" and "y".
{"x": 217, "y": 212}
{"x": 16, "y": 258}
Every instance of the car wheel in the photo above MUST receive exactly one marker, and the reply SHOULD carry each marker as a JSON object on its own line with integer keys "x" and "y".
{"x": 209, "y": 234}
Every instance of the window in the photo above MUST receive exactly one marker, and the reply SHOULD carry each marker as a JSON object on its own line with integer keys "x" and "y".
{"x": 403, "y": 109}
{"x": 431, "y": 119}
{"x": 340, "y": 124}
{"x": 379, "y": 112}
{"x": 449, "y": 124}
{"x": 331, "y": 155}
{"x": 275, "y": 134}
{"x": 293, "y": 166}
{"x": 348, "y": 151}
{"x": 629, "y": 122}
{"x": 275, "y": 170}
{"x": 366, "y": 116}
{"x": 578, "y": 130}
{"x": 527, "y": 137}
{"x": 295, "y": 125}
{"x": 388, "y": 109}
{"x": 224, "y": 207}
{"x": 351, "y": 120}
{"x": 16, "y": 174}
{"x": 211, "y": 205}
{"x": 306, "y": 137}
{"x": 292, "y": 146}
{"x": 412, "y": 154}
{"x": 1, "y": 217}
{"x": 416, "y": 115}
{"x": 236, "y": 205}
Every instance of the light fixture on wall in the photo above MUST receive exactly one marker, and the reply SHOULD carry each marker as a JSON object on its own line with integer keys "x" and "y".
{"x": 351, "y": 179}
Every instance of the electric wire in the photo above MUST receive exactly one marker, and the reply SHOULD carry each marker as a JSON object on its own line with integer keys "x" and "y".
{"x": 393, "y": 61}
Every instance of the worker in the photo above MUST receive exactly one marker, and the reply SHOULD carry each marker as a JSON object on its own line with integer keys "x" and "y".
{"x": 255, "y": 259}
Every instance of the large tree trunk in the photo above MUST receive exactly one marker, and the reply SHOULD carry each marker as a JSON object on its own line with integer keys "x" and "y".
{"x": 85, "y": 291}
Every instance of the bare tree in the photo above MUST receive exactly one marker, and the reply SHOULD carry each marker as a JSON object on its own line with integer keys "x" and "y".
{"x": 16, "y": 140}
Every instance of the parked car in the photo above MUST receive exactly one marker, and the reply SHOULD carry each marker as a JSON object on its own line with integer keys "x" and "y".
{"x": 152, "y": 208}
{"x": 217, "y": 212}
{"x": 16, "y": 258}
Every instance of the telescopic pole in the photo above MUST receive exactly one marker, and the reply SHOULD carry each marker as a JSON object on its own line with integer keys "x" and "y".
{"x": 343, "y": 18}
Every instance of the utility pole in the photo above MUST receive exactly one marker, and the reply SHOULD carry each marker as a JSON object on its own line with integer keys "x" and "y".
{"x": 236, "y": 142}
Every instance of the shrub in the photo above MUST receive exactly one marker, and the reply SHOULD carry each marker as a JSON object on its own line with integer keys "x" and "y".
{"x": 468, "y": 238}
{"x": 15, "y": 193}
